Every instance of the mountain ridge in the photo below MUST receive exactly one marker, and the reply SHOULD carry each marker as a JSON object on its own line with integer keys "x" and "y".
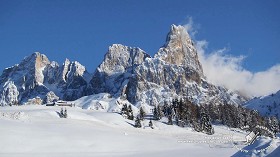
{"x": 126, "y": 72}
{"x": 35, "y": 76}
{"x": 267, "y": 105}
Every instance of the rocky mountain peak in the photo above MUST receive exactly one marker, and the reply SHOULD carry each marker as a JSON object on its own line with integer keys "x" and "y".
{"x": 119, "y": 58}
{"x": 117, "y": 67}
{"x": 126, "y": 72}
{"x": 179, "y": 49}
{"x": 36, "y": 76}
{"x": 41, "y": 61}
{"x": 35, "y": 60}
{"x": 178, "y": 33}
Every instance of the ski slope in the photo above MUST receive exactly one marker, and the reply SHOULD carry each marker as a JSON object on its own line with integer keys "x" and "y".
{"x": 38, "y": 131}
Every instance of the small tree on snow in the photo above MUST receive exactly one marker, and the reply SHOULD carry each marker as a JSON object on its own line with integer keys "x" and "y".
{"x": 206, "y": 125}
{"x": 65, "y": 113}
{"x": 151, "y": 124}
{"x": 61, "y": 113}
{"x": 274, "y": 124}
{"x": 157, "y": 113}
{"x": 137, "y": 123}
{"x": 142, "y": 113}
{"x": 124, "y": 110}
{"x": 170, "y": 122}
{"x": 130, "y": 113}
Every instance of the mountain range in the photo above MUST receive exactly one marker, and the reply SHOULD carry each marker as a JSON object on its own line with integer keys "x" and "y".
{"x": 126, "y": 72}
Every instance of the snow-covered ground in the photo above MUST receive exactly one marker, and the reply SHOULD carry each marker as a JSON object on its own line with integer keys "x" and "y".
{"x": 35, "y": 131}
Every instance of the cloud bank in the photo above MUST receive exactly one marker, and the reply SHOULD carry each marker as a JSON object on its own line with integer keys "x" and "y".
{"x": 225, "y": 70}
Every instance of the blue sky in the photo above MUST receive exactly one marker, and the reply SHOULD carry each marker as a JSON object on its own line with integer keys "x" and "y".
{"x": 83, "y": 30}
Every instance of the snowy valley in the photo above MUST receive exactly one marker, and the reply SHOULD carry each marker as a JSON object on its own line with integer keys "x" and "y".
{"x": 38, "y": 131}
{"x": 185, "y": 115}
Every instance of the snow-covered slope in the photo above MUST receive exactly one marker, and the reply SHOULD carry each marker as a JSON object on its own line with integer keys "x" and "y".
{"x": 267, "y": 106}
{"x": 37, "y": 131}
{"x": 103, "y": 102}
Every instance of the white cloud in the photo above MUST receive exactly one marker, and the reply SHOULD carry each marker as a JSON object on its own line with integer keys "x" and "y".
{"x": 190, "y": 27}
{"x": 226, "y": 70}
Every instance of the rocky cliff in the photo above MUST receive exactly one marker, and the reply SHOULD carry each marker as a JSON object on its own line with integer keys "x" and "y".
{"x": 36, "y": 76}
{"x": 174, "y": 71}
{"x": 126, "y": 72}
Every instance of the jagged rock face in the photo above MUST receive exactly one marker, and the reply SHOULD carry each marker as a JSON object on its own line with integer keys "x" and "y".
{"x": 157, "y": 76}
{"x": 179, "y": 50}
{"x": 73, "y": 80}
{"x": 114, "y": 72}
{"x": 36, "y": 76}
{"x": 27, "y": 77}
{"x": 126, "y": 72}
{"x": 9, "y": 94}
{"x": 174, "y": 71}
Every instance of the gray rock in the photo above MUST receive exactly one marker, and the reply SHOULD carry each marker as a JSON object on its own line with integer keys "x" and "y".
{"x": 36, "y": 77}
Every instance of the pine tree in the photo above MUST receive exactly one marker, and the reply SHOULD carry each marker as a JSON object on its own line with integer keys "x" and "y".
{"x": 274, "y": 124}
{"x": 157, "y": 113}
{"x": 61, "y": 113}
{"x": 151, "y": 124}
{"x": 206, "y": 125}
{"x": 253, "y": 119}
{"x": 124, "y": 111}
{"x": 65, "y": 113}
{"x": 170, "y": 122}
{"x": 142, "y": 113}
{"x": 130, "y": 113}
{"x": 137, "y": 123}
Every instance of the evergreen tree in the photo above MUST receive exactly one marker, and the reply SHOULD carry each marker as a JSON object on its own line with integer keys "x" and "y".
{"x": 142, "y": 113}
{"x": 157, "y": 113}
{"x": 170, "y": 122}
{"x": 213, "y": 112}
{"x": 137, "y": 123}
{"x": 130, "y": 113}
{"x": 65, "y": 113}
{"x": 206, "y": 125}
{"x": 61, "y": 113}
{"x": 151, "y": 124}
{"x": 274, "y": 124}
{"x": 253, "y": 119}
{"x": 124, "y": 111}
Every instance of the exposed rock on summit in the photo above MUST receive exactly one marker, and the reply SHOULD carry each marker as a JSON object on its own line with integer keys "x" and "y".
{"x": 119, "y": 64}
{"x": 36, "y": 76}
{"x": 126, "y": 72}
{"x": 175, "y": 71}
{"x": 179, "y": 50}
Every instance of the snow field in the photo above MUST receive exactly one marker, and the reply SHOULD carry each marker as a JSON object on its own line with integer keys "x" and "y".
{"x": 96, "y": 133}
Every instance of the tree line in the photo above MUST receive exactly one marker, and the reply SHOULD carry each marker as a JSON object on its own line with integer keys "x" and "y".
{"x": 185, "y": 113}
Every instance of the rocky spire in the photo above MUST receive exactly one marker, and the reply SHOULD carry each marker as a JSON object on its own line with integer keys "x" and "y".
{"x": 37, "y": 76}
{"x": 118, "y": 65}
{"x": 179, "y": 49}
{"x": 119, "y": 58}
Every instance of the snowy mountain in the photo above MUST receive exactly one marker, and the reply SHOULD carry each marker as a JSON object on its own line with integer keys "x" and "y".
{"x": 126, "y": 72}
{"x": 117, "y": 67}
{"x": 266, "y": 106}
{"x": 38, "y": 79}
{"x": 174, "y": 71}
{"x": 98, "y": 123}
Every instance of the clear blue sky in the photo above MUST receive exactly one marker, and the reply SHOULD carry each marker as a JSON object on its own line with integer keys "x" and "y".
{"x": 83, "y": 30}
